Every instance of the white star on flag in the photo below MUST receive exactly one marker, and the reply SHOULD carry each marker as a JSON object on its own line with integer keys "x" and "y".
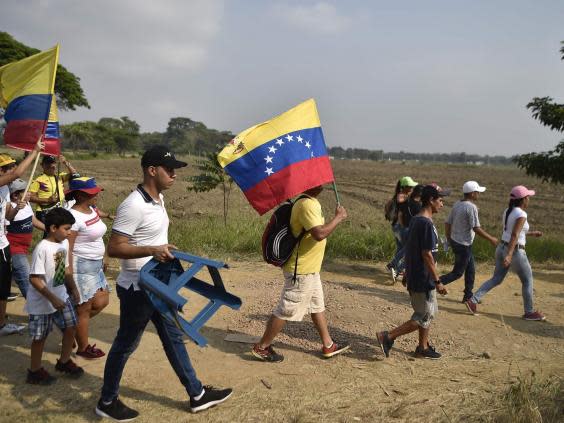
{"x": 289, "y": 137}
{"x": 272, "y": 149}
{"x": 268, "y": 159}
{"x": 269, "y": 171}
{"x": 300, "y": 139}
{"x": 279, "y": 141}
{"x": 307, "y": 144}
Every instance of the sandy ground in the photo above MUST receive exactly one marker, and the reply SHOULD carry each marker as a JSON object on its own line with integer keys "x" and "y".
{"x": 358, "y": 386}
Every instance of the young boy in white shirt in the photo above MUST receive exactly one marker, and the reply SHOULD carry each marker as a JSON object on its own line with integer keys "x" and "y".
{"x": 48, "y": 298}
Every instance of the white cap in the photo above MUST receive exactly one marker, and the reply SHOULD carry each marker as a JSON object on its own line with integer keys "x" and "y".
{"x": 17, "y": 185}
{"x": 472, "y": 186}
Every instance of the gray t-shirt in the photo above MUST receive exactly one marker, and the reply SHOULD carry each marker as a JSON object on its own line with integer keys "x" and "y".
{"x": 463, "y": 218}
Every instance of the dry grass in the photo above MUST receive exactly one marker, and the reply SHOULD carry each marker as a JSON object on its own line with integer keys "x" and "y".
{"x": 530, "y": 399}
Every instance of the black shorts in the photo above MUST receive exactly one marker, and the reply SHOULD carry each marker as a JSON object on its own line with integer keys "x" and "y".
{"x": 5, "y": 273}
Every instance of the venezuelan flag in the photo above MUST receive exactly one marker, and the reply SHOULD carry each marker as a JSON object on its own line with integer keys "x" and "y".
{"x": 27, "y": 95}
{"x": 280, "y": 158}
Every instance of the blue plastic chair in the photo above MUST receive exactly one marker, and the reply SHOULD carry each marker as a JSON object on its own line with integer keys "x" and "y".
{"x": 162, "y": 281}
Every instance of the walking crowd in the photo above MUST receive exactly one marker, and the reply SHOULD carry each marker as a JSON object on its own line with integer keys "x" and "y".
{"x": 65, "y": 284}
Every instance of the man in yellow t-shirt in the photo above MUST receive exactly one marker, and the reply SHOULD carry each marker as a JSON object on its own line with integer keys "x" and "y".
{"x": 47, "y": 190}
{"x": 303, "y": 294}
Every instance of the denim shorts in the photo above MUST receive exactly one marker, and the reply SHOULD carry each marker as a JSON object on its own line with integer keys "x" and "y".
{"x": 89, "y": 277}
{"x": 41, "y": 324}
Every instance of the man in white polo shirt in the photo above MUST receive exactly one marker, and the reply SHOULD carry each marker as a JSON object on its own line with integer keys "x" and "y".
{"x": 139, "y": 233}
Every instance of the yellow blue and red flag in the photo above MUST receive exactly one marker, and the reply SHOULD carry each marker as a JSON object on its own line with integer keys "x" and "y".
{"x": 27, "y": 94}
{"x": 280, "y": 158}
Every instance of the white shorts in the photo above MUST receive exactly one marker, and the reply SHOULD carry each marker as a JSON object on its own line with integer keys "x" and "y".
{"x": 304, "y": 296}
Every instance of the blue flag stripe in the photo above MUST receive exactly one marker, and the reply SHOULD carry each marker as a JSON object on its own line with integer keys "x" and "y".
{"x": 29, "y": 107}
{"x": 275, "y": 155}
{"x": 52, "y": 130}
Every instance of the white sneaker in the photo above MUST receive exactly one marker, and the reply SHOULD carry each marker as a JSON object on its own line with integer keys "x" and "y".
{"x": 11, "y": 328}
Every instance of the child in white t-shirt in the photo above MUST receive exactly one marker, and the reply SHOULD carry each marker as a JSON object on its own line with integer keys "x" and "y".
{"x": 48, "y": 299}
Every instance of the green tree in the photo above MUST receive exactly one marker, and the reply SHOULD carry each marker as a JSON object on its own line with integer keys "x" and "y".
{"x": 67, "y": 85}
{"x": 548, "y": 165}
{"x": 79, "y": 136}
{"x": 212, "y": 175}
{"x": 124, "y": 132}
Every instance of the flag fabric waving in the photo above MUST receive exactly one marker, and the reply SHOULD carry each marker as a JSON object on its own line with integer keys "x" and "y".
{"x": 280, "y": 158}
{"x": 27, "y": 95}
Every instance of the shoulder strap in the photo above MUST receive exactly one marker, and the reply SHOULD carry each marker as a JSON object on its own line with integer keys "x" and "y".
{"x": 299, "y": 241}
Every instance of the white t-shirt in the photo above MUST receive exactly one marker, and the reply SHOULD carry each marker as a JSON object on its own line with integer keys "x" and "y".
{"x": 89, "y": 243}
{"x": 145, "y": 222}
{"x": 4, "y": 198}
{"x": 515, "y": 214}
{"x": 49, "y": 259}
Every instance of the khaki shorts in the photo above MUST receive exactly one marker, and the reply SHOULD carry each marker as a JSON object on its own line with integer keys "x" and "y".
{"x": 304, "y": 296}
{"x": 425, "y": 307}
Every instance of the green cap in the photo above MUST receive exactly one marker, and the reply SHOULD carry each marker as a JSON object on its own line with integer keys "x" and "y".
{"x": 406, "y": 181}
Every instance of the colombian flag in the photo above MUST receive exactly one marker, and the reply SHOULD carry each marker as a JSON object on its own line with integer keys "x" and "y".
{"x": 280, "y": 158}
{"x": 27, "y": 95}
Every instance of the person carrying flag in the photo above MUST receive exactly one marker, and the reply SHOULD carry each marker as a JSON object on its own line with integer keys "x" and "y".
{"x": 47, "y": 190}
{"x": 304, "y": 295}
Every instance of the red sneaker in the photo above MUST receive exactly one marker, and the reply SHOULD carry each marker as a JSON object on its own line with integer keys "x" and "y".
{"x": 471, "y": 306}
{"x": 267, "y": 354}
{"x": 70, "y": 368}
{"x": 40, "y": 377}
{"x": 91, "y": 352}
{"x": 334, "y": 349}
{"x": 535, "y": 315}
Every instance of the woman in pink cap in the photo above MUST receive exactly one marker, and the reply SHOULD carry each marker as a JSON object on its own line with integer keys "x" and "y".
{"x": 511, "y": 252}
{"x": 86, "y": 257}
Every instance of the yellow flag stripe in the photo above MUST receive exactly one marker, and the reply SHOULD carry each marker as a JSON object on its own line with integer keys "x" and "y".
{"x": 32, "y": 75}
{"x": 303, "y": 116}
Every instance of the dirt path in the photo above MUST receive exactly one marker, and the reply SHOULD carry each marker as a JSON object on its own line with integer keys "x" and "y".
{"x": 358, "y": 386}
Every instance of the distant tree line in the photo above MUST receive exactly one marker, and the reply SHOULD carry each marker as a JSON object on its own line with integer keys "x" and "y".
{"x": 365, "y": 154}
{"x": 112, "y": 135}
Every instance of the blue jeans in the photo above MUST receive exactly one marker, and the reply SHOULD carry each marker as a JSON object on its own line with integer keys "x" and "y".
{"x": 20, "y": 272}
{"x": 400, "y": 235}
{"x": 463, "y": 264}
{"x": 135, "y": 312}
{"x": 520, "y": 265}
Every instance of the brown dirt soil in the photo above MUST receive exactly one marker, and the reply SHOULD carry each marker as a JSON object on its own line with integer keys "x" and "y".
{"x": 358, "y": 386}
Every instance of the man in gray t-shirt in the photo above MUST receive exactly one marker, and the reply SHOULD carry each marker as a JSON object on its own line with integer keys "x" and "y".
{"x": 461, "y": 226}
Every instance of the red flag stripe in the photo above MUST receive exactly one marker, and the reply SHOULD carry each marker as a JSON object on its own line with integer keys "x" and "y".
{"x": 289, "y": 182}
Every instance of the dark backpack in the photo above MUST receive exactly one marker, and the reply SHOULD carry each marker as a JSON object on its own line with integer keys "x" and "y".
{"x": 391, "y": 210}
{"x": 278, "y": 242}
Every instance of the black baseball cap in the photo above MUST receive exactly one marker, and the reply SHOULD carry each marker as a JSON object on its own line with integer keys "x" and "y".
{"x": 48, "y": 159}
{"x": 432, "y": 192}
{"x": 160, "y": 155}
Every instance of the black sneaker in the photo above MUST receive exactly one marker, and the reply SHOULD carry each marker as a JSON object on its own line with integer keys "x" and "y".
{"x": 429, "y": 353}
{"x": 40, "y": 377}
{"x": 12, "y": 296}
{"x": 211, "y": 398}
{"x": 385, "y": 342}
{"x": 116, "y": 410}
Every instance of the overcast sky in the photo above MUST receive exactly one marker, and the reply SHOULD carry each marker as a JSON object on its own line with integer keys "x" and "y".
{"x": 437, "y": 76}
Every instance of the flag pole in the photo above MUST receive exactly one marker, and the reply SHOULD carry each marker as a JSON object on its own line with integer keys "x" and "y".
{"x": 336, "y": 193}
{"x": 32, "y": 171}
